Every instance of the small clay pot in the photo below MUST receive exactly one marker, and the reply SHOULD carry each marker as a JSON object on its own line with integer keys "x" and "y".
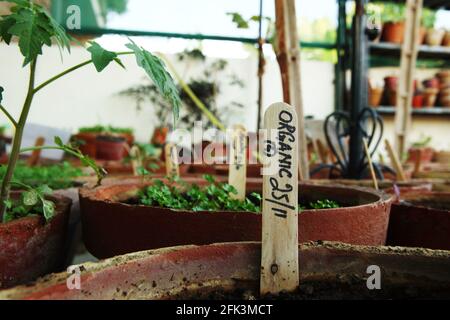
{"x": 391, "y": 83}
{"x": 443, "y": 157}
{"x": 426, "y": 155}
{"x": 417, "y": 101}
{"x": 446, "y": 40}
{"x": 444, "y": 97}
{"x": 375, "y": 95}
{"x": 88, "y": 144}
{"x": 110, "y": 148}
{"x": 431, "y": 83}
{"x": 422, "y": 35}
{"x": 429, "y": 97}
{"x": 434, "y": 37}
{"x": 393, "y": 32}
{"x": 392, "y": 98}
{"x": 159, "y": 136}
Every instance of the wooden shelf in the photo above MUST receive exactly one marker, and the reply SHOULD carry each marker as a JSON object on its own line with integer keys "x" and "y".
{"x": 393, "y": 50}
{"x": 434, "y": 111}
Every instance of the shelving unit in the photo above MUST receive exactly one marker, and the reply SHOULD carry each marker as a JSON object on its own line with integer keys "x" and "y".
{"x": 435, "y": 111}
{"x": 393, "y": 50}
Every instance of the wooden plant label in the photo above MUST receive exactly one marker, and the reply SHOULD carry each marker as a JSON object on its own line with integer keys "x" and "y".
{"x": 395, "y": 161}
{"x": 136, "y": 159}
{"x": 279, "y": 259}
{"x": 171, "y": 153}
{"x": 35, "y": 156}
{"x": 237, "y": 174}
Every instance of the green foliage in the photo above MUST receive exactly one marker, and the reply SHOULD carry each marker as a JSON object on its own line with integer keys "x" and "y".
{"x": 155, "y": 69}
{"x": 101, "y": 57}
{"x": 240, "y": 22}
{"x": 31, "y": 202}
{"x": 324, "y": 204}
{"x": 58, "y": 176}
{"x": 425, "y": 142}
{"x": 34, "y": 27}
{"x": 213, "y": 197}
{"x": 105, "y": 130}
{"x": 428, "y": 18}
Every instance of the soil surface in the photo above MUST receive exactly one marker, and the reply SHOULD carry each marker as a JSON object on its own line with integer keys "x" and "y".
{"x": 351, "y": 289}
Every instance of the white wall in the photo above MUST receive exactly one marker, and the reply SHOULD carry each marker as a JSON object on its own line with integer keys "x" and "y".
{"x": 87, "y": 98}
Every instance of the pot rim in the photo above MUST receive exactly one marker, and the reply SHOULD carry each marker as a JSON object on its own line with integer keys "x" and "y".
{"x": 61, "y": 204}
{"x": 89, "y": 192}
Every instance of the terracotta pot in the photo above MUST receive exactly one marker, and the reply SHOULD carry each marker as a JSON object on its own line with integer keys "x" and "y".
{"x": 417, "y": 101}
{"x": 159, "y": 136}
{"x": 431, "y": 83}
{"x": 385, "y": 185}
{"x": 89, "y": 143}
{"x": 110, "y": 148}
{"x": 443, "y": 157}
{"x": 31, "y": 248}
{"x": 421, "y": 220}
{"x": 392, "y": 98}
{"x": 444, "y": 97}
{"x": 221, "y": 271}
{"x": 112, "y": 227}
{"x": 422, "y": 35}
{"x": 429, "y": 97}
{"x": 426, "y": 155}
{"x": 253, "y": 170}
{"x": 393, "y": 32}
{"x": 375, "y": 95}
{"x": 446, "y": 40}
{"x": 391, "y": 83}
{"x": 434, "y": 37}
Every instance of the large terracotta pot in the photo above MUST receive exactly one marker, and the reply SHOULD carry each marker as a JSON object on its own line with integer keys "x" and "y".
{"x": 422, "y": 219}
{"x": 30, "y": 248}
{"x": 232, "y": 270}
{"x": 393, "y": 32}
{"x": 111, "y": 227}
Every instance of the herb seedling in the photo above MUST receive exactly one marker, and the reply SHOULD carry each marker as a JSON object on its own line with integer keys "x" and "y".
{"x": 179, "y": 195}
{"x": 34, "y": 28}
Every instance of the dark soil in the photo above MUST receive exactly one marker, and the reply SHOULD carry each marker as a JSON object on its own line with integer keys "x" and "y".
{"x": 354, "y": 289}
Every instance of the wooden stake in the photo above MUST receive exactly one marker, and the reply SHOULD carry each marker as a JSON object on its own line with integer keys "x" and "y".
{"x": 408, "y": 60}
{"x": 237, "y": 173}
{"x": 279, "y": 259}
{"x": 288, "y": 56}
{"x": 36, "y": 154}
{"x": 369, "y": 160}
{"x": 136, "y": 159}
{"x": 171, "y": 154}
{"x": 395, "y": 161}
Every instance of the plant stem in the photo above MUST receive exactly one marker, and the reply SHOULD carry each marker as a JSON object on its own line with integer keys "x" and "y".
{"x": 50, "y": 148}
{"x": 8, "y": 115}
{"x": 14, "y": 156}
{"x": 74, "y": 68}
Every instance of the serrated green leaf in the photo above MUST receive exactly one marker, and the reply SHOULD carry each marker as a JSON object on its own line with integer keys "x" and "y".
{"x": 58, "y": 142}
{"x": 30, "y": 198}
{"x": 44, "y": 190}
{"x": 100, "y": 56}
{"x": 156, "y": 70}
{"x": 5, "y": 24}
{"x": 32, "y": 30}
{"x": 241, "y": 23}
{"x": 48, "y": 207}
